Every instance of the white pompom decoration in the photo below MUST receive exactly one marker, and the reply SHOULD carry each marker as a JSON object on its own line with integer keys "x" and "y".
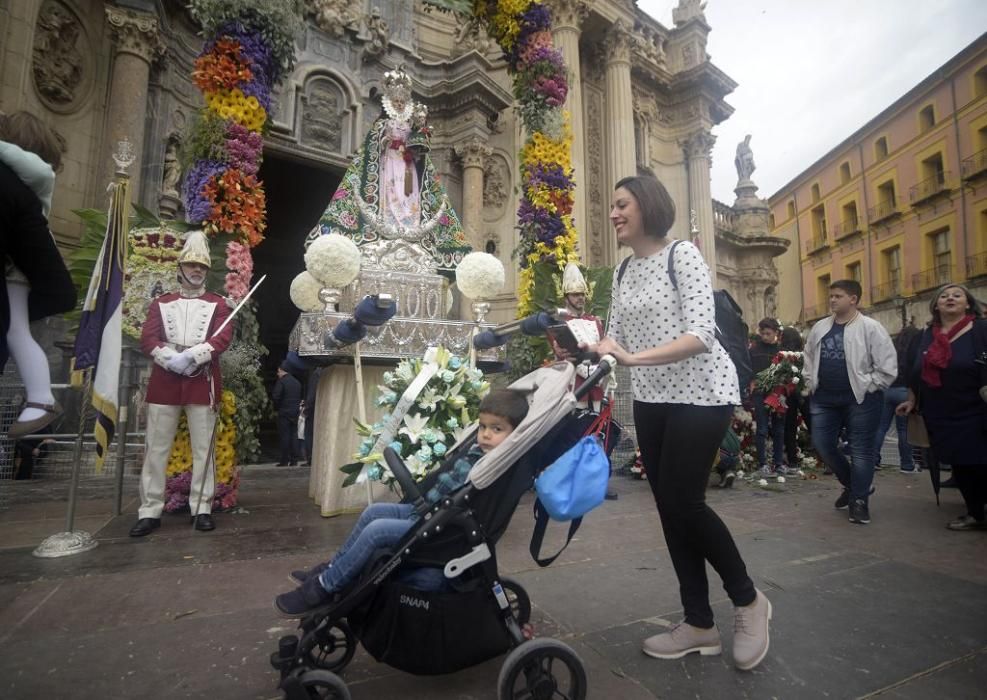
{"x": 304, "y": 292}
{"x": 334, "y": 260}
{"x": 480, "y": 276}
{"x": 781, "y": 480}
{"x": 762, "y": 482}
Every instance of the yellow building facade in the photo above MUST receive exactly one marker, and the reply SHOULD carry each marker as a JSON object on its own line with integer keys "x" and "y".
{"x": 900, "y": 205}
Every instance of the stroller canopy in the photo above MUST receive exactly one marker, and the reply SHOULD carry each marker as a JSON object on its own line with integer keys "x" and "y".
{"x": 550, "y": 399}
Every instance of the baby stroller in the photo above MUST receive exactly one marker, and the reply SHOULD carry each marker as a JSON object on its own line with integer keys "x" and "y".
{"x": 479, "y": 614}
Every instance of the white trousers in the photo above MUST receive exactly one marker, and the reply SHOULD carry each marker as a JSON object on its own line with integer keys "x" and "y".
{"x": 162, "y": 424}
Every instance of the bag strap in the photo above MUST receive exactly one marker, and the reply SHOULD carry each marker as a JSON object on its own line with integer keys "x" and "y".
{"x": 538, "y": 535}
{"x": 671, "y": 266}
{"x": 623, "y": 269}
{"x": 602, "y": 424}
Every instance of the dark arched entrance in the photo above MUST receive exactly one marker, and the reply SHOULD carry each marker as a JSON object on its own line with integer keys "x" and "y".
{"x": 297, "y": 193}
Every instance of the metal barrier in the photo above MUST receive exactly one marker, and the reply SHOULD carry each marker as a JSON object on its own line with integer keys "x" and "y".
{"x": 64, "y": 457}
{"x": 623, "y": 411}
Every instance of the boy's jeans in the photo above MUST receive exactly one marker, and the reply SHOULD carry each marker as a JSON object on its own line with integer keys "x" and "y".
{"x": 768, "y": 423}
{"x": 860, "y": 421}
{"x": 380, "y": 525}
{"x": 892, "y": 397}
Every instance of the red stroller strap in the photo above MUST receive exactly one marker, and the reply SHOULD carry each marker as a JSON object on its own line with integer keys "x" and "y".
{"x": 602, "y": 424}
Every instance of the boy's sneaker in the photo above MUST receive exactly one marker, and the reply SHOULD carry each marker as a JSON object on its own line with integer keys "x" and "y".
{"x": 785, "y": 470}
{"x": 726, "y": 481}
{"x": 911, "y": 471}
{"x": 683, "y": 639}
{"x": 859, "y": 512}
{"x": 304, "y": 600}
{"x": 766, "y": 472}
{"x": 844, "y": 500}
{"x": 750, "y": 633}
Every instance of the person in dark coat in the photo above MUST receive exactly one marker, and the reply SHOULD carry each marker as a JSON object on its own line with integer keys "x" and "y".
{"x": 312, "y": 389}
{"x": 287, "y": 397}
{"x": 30, "y": 153}
{"x": 948, "y": 387}
{"x": 894, "y": 395}
{"x": 769, "y": 424}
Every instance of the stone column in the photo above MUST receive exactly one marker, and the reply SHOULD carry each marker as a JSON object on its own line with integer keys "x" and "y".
{"x": 567, "y": 20}
{"x": 473, "y": 154}
{"x": 619, "y": 118}
{"x": 138, "y": 44}
{"x": 697, "y": 148}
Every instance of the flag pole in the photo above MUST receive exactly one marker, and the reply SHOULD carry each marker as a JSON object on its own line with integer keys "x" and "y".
{"x": 113, "y": 252}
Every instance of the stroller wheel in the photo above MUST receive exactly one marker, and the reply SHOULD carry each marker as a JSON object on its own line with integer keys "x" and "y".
{"x": 330, "y": 646}
{"x": 519, "y": 600}
{"x": 323, "y": 685}
{"x": 542, "y": 669}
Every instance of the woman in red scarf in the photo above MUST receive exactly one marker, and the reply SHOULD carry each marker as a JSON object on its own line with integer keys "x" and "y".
{"x": 948, "y": 383}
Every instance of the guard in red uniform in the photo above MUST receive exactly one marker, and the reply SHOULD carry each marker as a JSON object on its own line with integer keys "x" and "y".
{"x": 180, "y": 334}
{"x": 574, "y": 290}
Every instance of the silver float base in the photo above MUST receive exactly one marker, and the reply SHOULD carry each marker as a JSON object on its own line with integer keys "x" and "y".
{"x": 65, "y": 544}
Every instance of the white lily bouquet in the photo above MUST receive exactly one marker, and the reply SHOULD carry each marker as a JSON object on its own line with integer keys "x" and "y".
{"x": 430, "y": 403}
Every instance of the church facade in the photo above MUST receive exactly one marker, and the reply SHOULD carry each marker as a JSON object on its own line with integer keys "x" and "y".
{"x": 643, "y": 98}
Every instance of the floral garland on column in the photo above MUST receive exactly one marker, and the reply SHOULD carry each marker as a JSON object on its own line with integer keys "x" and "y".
{"x": 523, "y": 29}
{"x": 249, "y": 47}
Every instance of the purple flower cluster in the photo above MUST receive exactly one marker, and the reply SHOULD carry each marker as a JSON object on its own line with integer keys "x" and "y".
{"x": 537, "y": 175}
{"x": 243, "y": 148}
{"x": 177, "y": 489}
{"x": 546, "y": 226}
{"x": 537, "y": 18}
{"x": 197, "y": 207}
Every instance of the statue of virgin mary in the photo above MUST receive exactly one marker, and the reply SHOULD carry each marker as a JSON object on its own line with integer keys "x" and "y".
{"x": 390, "y": 195}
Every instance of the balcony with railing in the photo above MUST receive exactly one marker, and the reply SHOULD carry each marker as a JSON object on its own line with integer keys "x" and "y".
{"x": 974, "y": 166}
{"x": 723, "y": 216}
{"x": 817, "y": 243}
{"x": 929, "y": 188}
{"x": 932, "y": 278}
{"x": 976, "y": 265}
{"x": 883, "y": 292}
{"x": 846, "y": 228}
{"x": 882, "y": 211}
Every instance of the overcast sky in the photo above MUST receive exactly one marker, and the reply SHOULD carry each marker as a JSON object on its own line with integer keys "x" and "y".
{"x": 812, "y": 73}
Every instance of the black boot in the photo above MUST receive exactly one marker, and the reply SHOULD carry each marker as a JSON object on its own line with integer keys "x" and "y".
{"x": 203, "y": 522}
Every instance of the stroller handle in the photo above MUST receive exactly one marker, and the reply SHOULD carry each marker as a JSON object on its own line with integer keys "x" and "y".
{"x": 407, "y": 482}
{"x": 607, "y": 363}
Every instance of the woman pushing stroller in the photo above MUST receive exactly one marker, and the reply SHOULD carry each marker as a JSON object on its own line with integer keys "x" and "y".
{"x": 383, "y": 525}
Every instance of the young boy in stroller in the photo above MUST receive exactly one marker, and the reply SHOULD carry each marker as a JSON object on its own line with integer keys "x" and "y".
{"x": 383, "y": 525}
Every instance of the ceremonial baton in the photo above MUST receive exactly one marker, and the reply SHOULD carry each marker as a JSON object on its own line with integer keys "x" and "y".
{"x": 239, "y": 306}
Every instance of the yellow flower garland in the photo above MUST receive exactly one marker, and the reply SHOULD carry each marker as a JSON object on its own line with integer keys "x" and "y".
{"x": 225, "y": 453}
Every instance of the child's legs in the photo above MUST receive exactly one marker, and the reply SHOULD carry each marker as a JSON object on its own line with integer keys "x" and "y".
{"x": 32, "y": 364}
{"x": 375, "y": 511}
{"x": 346, "y": 565}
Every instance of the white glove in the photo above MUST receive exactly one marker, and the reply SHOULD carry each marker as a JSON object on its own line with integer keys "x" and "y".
{"x": 180, "y": 362}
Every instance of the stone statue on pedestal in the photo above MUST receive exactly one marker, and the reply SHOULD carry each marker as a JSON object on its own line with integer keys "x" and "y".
{"x": 744, "y": 160}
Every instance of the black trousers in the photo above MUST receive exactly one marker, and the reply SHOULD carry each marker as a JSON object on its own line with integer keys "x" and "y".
{"x": 678, "y": 444}
{"x": 287, "y": 434}
{"x": 971, "y": 480}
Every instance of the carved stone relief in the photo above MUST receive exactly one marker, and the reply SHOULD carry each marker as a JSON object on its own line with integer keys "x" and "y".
{"x": 334, "y": 17}
{"x": 496, "y": 182}
{"x": 322, "y": 115}
{"x": 379, "y": 34}
{"x": 61, "y": 64}
{"x": 594, "y": 174}
{"x": 472, "y": 35}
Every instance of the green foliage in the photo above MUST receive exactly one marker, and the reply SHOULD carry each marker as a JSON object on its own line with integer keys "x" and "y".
{"x": 82, "y": 260}
{"x": 277, "y": 21}
{"x": 240, "y": 365}
{"x": 204, "y": 140}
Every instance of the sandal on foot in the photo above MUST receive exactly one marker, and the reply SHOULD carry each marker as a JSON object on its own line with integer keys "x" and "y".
{"x": 20, "y": 429}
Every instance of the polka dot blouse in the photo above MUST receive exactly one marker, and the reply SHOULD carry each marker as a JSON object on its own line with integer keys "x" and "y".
{"x": 647, "y": 311}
